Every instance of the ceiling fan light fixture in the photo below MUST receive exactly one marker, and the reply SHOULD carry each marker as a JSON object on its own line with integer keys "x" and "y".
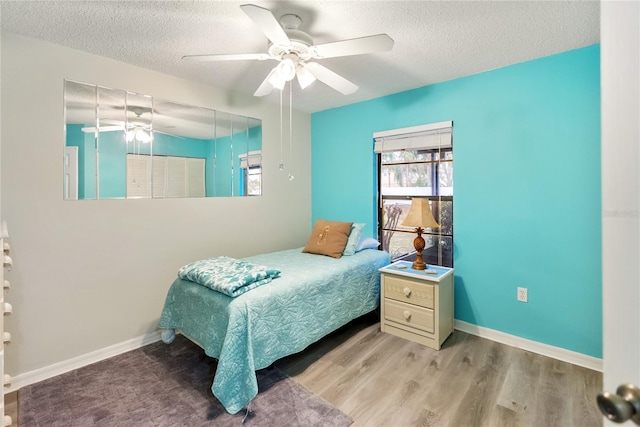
{"x": 305, "y": 78}
{"x": 142, "y": 136}
{"x": 286, "y": 69}
{"x": 276, "y": 81}
{"x": 139, "y": 135}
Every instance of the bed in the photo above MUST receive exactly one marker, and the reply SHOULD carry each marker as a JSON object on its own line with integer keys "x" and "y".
{"x": 313, "y": 296}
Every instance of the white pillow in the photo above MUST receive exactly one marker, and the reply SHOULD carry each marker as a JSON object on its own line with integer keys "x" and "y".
{"x": 354, "y": 238}
{"x": 367, "y": 243}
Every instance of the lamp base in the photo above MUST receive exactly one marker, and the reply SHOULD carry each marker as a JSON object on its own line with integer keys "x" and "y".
{"x": 419, "y": 265}
{"x": 418, "y": 244}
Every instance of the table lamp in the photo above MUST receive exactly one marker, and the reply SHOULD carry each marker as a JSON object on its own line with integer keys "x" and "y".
{"x": 419, "y": 216}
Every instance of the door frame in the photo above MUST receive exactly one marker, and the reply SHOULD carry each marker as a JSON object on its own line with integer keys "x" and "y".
{"x": 620, "y": 99}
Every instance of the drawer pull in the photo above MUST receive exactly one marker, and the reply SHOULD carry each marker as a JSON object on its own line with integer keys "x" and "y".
{"x": 407, "y": 292}
{"x": 7, "y": 262}
{"x": 407, "y": 315}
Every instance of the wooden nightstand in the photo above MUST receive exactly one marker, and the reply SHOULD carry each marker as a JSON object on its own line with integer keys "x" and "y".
{"x": 416, "y": 305}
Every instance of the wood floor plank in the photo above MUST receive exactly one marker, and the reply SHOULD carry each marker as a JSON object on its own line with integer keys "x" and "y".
{"x": 349, "y": 371}
{"x": 445, "y": 397}
{"x": 480, "y": 398}
{"x": 585, "y": 386}
{"x": 362, "y": 386}
{"x": 515, "y": 401}
{"x": 552, "y": 407}
{"x": 405, "y": 405}
{"x": 505, "y": 417}
{"x": 384, "y": 381}
{"x": 335, "y": 342}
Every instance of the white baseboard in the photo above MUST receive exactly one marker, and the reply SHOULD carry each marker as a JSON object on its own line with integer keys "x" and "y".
{"x": 41, "y": 374}
{"x": 532, "y": 346}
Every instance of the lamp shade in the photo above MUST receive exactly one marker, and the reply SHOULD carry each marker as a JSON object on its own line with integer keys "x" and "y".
{"x": 305, "y": 78}
{"x": 286, "y": 69}
{"x": 420, "y": 215}
{"x": 276, "y": 81}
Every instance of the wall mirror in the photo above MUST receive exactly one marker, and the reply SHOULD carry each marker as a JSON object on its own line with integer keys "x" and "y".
{"x": 120, "y": 144}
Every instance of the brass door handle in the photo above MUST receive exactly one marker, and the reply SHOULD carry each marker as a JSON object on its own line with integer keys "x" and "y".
{"x": 622, "y": 406}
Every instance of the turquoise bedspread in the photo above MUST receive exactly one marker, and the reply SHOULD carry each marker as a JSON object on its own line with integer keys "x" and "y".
{"x": 313, "y": 296}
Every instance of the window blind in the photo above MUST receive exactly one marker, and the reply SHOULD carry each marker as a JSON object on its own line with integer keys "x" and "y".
{"x": 196, "y": 177}
{"x": 250, "y": 159}
{"x": 177, "y": 180}
{"x": 138, "y": 176}
{"x": 424, "y": 137}
{"x": 160, "y": 177}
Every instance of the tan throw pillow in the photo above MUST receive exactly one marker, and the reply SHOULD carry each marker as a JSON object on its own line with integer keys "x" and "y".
{"x": 328, "y": 238}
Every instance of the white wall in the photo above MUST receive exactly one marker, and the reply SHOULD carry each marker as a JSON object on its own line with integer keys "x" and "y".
{"x": 92, "y": 274}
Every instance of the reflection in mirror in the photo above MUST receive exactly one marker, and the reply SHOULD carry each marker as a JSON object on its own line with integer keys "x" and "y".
{"x": 120, "y": 144}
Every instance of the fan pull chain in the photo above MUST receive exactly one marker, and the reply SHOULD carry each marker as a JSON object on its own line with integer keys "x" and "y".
{"x": 281, "y": 166}
{"x": 290, "y": 127}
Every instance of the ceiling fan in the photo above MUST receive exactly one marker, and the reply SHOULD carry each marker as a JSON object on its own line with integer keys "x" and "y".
{"x": 294, "y": 49}
{"x": 133, "y": 133}
{"x": 135, "y": 130}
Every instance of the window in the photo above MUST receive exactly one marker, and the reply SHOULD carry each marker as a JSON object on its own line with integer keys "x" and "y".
{"x": 251, "y": 166}
{"x": 416, "y": 162}
{"x": 253, "y": 181}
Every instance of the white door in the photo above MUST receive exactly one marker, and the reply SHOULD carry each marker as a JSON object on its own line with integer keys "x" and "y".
{"x": 620, "y": 90}
{"x": 71, "y": 173}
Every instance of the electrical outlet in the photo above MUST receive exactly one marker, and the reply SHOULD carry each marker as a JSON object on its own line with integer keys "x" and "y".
{"x": 522, "y": 294}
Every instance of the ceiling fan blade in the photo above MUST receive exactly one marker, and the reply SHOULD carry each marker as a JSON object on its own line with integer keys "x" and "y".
{"x": 269, "y": 25}
{"x": 93, "y": 129}
{"x": 111, "y": 122}
{"x": 265, "y": 87}
{"x": 232, "y": 57}
{"x": 331, "y": 79}
{"x": 359, "y": 46}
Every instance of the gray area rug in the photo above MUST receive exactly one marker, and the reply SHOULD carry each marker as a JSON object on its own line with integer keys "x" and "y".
{"x": 166, "y": 385}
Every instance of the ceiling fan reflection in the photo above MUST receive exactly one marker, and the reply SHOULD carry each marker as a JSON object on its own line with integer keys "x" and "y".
{"x": 133, "y": 132}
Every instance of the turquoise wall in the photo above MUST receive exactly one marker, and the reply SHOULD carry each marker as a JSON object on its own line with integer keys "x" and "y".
{"x": 527, "y": 204}
{"x": 75, "y": 138}
{"x": 113, "y": 164}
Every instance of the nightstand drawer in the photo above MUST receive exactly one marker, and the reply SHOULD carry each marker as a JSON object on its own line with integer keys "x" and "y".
{"x": 409, "y": 315}
{"x": 409, "y": 291}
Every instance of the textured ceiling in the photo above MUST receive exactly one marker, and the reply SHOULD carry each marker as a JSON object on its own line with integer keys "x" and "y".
{"x": 434, "y": 41}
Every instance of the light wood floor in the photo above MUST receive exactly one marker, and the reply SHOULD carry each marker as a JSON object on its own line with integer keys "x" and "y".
{"x": 382, "y": 380}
